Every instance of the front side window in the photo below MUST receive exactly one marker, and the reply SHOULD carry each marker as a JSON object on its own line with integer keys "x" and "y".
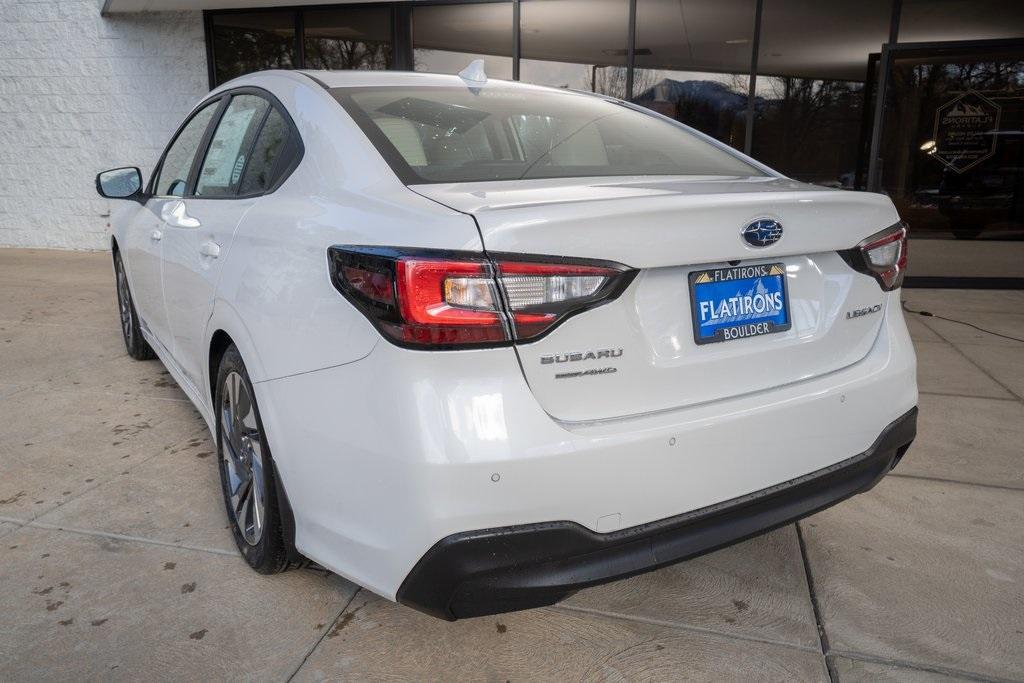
{"x": 228, "y": 152}
{"x": 173, "y": 178}
{"x": 458, "y": 134}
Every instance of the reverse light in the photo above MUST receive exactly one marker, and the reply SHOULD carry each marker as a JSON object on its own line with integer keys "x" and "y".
{"x": 883, "y": 256}
{"x": 440, "y": 299}
{"x": 539, "y": 295}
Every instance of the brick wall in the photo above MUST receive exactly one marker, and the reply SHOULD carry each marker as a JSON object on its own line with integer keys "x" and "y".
{"x": 80, "y": 93}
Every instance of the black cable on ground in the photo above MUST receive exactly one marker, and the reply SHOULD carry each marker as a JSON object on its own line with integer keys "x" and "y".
{"x": 928, "y": 314}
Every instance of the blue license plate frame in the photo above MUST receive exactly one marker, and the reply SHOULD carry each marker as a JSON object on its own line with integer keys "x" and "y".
{"x": 739, "y": 302}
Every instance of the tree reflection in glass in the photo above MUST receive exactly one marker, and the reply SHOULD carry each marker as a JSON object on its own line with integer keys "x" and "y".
{"x": 348, "y": 38}
{"x": 247, "y": 42}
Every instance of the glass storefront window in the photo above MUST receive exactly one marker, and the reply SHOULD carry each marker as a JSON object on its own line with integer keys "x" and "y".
{"x": 810, "y": 128}
{"x": 819, "y": 66}
{"x": 693, "y": 63}
{"x": 812, "y": 67}
{"x": 446, "y": 38}
{"x": 952, "y": 157}
{"x": 928, "y": 21}
{"x": 252, "y": 41}
{"x": 579, "y": 44}
{"x": 348, "y": 38}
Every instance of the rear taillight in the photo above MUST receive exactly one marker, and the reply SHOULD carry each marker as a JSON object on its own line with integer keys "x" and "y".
{"x": 539, "y": 295}
{"x": 439, "y": 299}
{"x": 883, "y": 256}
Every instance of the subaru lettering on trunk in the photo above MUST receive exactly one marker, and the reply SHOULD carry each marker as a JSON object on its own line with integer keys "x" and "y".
{"x": 576, "y": 356}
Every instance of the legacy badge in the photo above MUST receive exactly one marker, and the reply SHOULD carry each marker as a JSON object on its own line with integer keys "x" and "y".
{"x": 861, "y": 312}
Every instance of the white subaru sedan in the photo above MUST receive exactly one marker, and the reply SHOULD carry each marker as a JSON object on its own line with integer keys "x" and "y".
{"x": 475, "y": 345}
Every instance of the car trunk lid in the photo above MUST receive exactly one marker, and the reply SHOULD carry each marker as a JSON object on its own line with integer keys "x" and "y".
{"x": 668, "y": 228}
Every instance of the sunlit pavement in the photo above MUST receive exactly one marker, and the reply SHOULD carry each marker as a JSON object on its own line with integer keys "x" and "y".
{"x": 115, "y": 561}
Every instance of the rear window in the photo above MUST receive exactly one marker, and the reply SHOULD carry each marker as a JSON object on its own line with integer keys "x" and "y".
{"x": 460, "y": 134}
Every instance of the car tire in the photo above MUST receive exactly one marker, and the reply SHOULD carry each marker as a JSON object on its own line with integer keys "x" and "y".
{"x": 247, "y": 475}
{"x": 131, "y": 331}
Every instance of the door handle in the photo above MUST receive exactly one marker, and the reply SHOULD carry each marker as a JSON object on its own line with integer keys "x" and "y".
{"x": 209, "y": 248}
{"x": 156, "y": 235}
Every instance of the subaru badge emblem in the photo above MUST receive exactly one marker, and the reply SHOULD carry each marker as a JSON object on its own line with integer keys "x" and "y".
{"x": 763, "y": 232}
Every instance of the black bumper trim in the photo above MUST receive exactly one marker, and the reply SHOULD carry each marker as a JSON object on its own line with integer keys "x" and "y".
{"x": 510, "y": 568}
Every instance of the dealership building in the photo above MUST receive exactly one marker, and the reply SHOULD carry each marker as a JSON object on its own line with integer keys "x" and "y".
{"x": 920, "y": 99}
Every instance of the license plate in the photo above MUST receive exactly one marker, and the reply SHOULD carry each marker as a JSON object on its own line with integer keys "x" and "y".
{"x": 739, "y": 302}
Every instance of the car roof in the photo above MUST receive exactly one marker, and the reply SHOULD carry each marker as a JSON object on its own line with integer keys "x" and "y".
{"x": 361, "y": 78}
{"x": 364, "y": 79}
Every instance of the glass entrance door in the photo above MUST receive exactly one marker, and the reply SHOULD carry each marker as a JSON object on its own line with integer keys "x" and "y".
{"x": 951, "y": 156}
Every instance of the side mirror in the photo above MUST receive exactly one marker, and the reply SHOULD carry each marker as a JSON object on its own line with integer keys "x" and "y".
{"x": 120, "y": 183}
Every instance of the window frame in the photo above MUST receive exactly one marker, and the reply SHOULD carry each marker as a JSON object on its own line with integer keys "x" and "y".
{"x": 153, "y": 184}
{"x": 292, "y": 152}
{"x": 198, "y": 168}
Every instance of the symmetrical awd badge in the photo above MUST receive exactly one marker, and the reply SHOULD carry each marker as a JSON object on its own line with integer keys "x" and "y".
{"x": 577, "y": 356}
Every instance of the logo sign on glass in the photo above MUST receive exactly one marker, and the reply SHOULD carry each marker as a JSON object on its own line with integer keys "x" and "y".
{"x": 739, "y": 302}
{"x": 963, "y": 134}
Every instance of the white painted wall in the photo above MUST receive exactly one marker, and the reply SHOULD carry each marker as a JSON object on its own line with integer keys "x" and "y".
{"x": 80, "y": 93}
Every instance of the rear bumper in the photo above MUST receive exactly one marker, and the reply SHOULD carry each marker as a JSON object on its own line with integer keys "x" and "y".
{"x": 517, "y": 567}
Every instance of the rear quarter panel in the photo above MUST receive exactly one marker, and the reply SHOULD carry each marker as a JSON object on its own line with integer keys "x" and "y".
{"x": 276, "y": 278}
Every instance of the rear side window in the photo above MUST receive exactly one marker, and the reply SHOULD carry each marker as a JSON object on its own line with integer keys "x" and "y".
{"x": 173, "y": 178}
{"x": 460, "y": 134}
{"x": 259, "y": 172}
{"x": 226, "y": 157}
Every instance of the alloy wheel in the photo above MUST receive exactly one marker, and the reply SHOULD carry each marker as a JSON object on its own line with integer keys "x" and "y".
{"x": 124, "y": 304}
{"x": 242, "y": 453}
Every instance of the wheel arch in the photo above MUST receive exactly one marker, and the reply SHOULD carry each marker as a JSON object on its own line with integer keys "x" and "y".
{"x": 220, "y": 341}
{"x": 225, "y": 327}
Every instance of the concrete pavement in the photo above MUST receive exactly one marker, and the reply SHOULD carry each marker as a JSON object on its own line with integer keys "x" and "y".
{"x": 116, "y": 563}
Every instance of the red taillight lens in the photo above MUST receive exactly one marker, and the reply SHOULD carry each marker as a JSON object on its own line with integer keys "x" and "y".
{"x": 448, "y": 300}
{"x": 428, "y": 317}
{"x": 374, "y": 285}
{"x": 883, "y": 256}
